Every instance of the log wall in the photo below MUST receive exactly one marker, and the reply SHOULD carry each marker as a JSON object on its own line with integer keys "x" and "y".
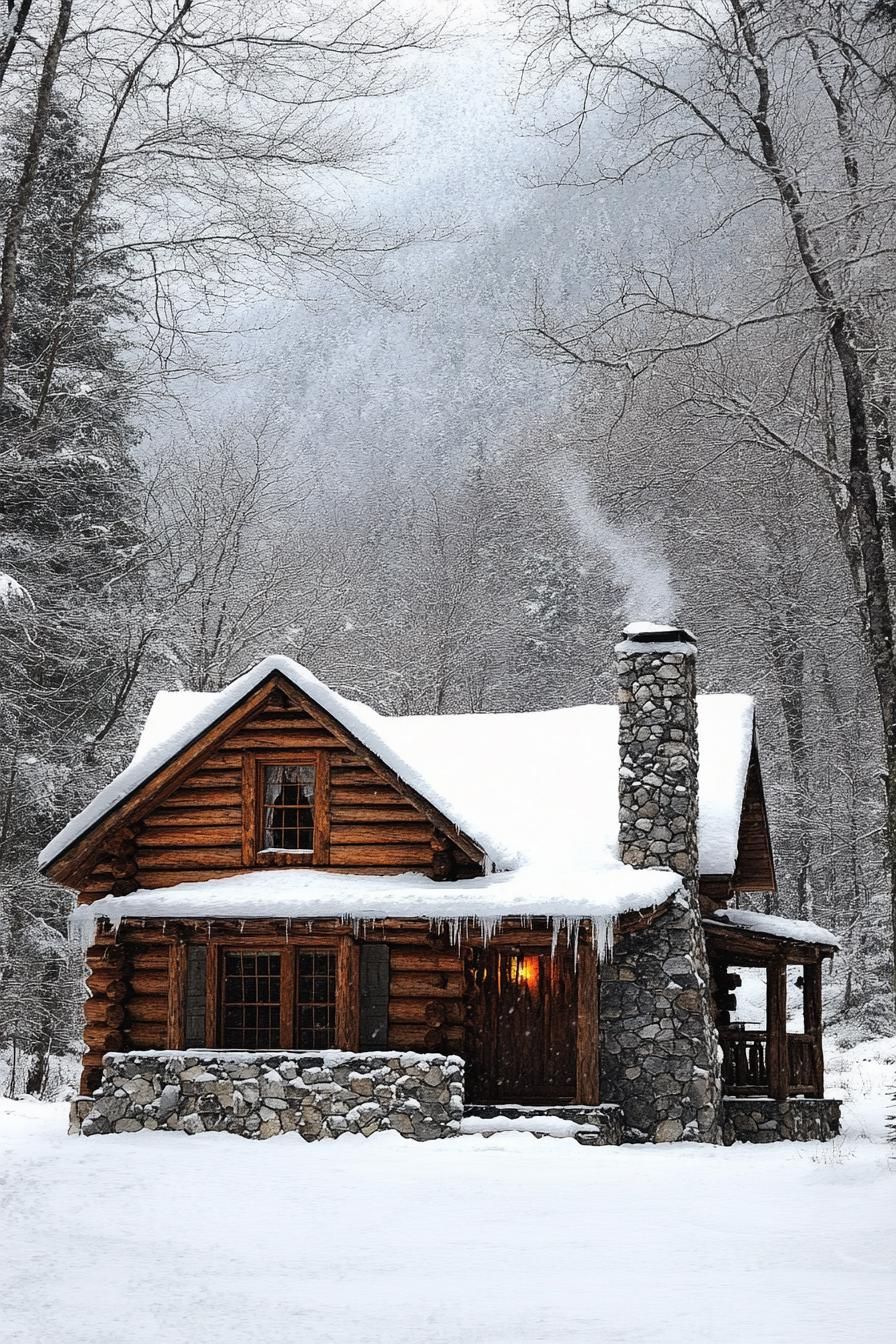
{"x": 137, "y": 981}
{"x": 426, "y": 998}
{"x": 195, "y": 830}
{"x": 128, "y": 985}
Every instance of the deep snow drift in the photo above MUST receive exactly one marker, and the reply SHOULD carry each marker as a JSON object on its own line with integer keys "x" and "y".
{"x": 162, "y": 1238}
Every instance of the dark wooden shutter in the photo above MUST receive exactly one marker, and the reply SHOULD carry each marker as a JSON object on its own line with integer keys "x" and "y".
{"x": 374, "y": 996}
{"x": 194, "y": 1018}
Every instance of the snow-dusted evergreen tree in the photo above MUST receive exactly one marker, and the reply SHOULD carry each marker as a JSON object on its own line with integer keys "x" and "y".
{"x": 69, "y": 550}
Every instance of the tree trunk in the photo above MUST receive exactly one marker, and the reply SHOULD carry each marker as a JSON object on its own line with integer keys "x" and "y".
{"x": 17, "y": 16}
{"x": 19, "y": 208}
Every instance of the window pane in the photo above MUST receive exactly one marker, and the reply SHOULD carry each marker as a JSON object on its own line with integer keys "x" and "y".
{"x": 251, "y": 1000}
{"x": 316, "y": 1000}
{"x": 289, "y": 808}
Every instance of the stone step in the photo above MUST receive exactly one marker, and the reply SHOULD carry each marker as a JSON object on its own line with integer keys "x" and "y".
{"x": 581, "y": 1115}
{"x": 596, "y": 1126}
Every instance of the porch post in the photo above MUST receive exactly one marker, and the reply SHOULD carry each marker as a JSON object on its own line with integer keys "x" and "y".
{"x": 812, "y": 1020}
{"x": 587, "y": 1086}
{"x": 177, "y": 992}
{"x": 776, "y": 1029}
{"x": 348, "y": 1008}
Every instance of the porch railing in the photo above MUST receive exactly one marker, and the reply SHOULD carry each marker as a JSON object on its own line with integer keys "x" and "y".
{"x": 745, "y": 1063}
{"x": 802, "y": 1065}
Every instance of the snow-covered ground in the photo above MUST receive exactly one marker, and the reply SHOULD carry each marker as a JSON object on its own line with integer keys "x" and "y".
{"x": 165, "y": 1239}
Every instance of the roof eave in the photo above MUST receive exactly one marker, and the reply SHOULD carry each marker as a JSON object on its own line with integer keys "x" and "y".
{"x": 66, "y": 866}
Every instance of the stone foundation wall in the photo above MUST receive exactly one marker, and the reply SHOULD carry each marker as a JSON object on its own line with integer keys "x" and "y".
{"x": 316, "y": 1095}
{"x": 764, "y": 1120}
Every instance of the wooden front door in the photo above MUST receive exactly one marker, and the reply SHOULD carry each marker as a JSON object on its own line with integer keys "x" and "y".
{"x": 520, "y": 1025}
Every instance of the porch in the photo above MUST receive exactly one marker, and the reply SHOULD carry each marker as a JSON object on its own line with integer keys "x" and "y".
{"x": 745, "y": 1064}
{"x": 769, "y": 1058}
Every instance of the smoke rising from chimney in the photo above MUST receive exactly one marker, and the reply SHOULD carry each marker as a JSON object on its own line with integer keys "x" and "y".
{"x": 636, "y": 563}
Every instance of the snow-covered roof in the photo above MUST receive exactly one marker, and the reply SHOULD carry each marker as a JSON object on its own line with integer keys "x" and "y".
{"x": 537, "y": 788}
{"x": 796, "y": 930}
{"x": 564, "y": 896}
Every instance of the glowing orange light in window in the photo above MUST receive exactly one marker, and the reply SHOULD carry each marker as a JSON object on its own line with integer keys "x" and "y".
{"x": 523, "y": 971}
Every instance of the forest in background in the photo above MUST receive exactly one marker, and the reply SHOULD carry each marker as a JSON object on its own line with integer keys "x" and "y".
{"x": 428, "y": 345}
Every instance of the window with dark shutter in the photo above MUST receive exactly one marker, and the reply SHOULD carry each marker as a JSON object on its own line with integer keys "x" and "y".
{"x": 374, "y": 986}
{"x": 194, "y": 1016}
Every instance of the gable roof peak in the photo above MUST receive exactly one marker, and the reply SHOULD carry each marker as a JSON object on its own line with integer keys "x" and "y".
{"x": 535, "y": 787}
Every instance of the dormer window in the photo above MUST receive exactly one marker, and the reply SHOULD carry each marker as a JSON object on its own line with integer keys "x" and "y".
{"x": 285, "y": 809}
{"x": 288, "y": 809}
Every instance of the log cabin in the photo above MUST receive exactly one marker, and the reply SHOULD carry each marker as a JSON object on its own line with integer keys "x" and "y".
{"x": 539, "y": 913}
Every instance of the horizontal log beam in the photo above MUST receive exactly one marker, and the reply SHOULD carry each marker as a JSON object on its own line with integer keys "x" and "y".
{"x": 223, "y": 793}
{"x": 103, "y": 1039}
{"x": 223, "y": 857}
{"x": 423, "y": 985}
{"x": 378, "y": 813}
{"x": 145, "y": 983}
{"x": 389, "y": 834}
{"x": 198, "y": 816}
{"x": 425, "y": 959}
{"x": 148, "y": 1036}
{"x": 408, "y": 1037}
{"x": 148, "y": 1008}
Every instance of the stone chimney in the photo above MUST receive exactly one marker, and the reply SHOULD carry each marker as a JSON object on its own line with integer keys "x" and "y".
{"x": 658, "y": 752}
{"x": 659, "y": 1048}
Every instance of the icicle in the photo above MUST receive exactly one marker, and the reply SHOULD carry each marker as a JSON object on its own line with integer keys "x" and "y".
{"x": 603, "y": 938}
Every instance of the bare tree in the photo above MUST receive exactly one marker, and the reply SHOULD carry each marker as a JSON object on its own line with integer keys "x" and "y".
{"x": 780, "y": 107}
{"x": 225, "y": 137}
{"x": 17, "y": 12}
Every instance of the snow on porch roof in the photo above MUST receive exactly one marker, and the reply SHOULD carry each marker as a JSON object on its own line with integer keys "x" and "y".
{"x": 563, "y": 896}
{"x": 773, "y": 926}
{"x": 532, "y": 788}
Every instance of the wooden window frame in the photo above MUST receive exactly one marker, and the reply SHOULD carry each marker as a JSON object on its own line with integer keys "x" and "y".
{"x": 348, "y": 1006}
{"x": 254, "y": 764}
{"x": 347, "y": 987}
{"x": 286, "y": 997}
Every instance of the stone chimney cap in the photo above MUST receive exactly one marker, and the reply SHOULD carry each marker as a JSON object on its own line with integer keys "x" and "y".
{"x": 645, "y": 636}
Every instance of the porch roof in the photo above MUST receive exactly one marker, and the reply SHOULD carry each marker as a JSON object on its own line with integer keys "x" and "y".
{"x": 565, "y": 897}
{"x": 761, "y": 938}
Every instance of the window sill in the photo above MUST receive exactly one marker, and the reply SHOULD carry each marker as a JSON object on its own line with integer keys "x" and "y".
{"x": 273, "y": 850}
{"x": 284, "y": 858}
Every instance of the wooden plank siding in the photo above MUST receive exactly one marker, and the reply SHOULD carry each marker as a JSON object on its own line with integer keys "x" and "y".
{"x": 755, "y": 869}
